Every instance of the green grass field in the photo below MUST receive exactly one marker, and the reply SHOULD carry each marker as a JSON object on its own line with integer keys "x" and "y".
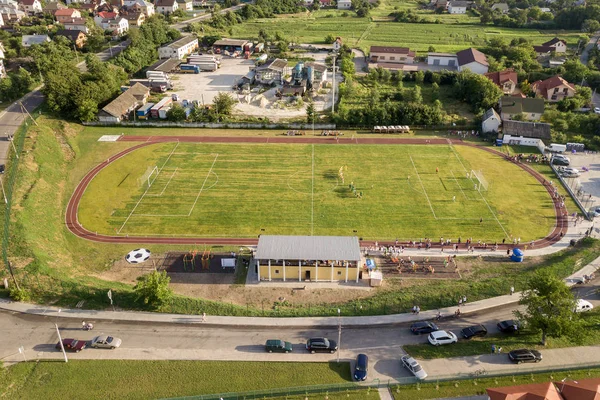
{"x": 244, "y": 190}
{"x": 126, "y": 379}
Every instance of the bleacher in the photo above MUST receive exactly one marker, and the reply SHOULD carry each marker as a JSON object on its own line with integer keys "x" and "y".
{"x": 392, "y": 129}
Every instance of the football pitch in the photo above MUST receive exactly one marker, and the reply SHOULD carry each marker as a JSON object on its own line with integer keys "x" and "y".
{"x": 371, "y": 191}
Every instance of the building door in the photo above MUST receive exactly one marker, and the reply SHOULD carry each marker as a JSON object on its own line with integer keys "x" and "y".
{"x": 436, "y": 61}
{"x": 451, "y": 63}
{"x": 307, "y": 275}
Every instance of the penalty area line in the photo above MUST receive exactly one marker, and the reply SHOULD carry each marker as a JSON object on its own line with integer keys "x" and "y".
{"x": 203, "y": 184}
{"x": 423, "y": 187}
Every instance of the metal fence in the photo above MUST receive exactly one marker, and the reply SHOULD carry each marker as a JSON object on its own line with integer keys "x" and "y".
{"x": 9, "y": 184}
{"x": 585, "y": 201}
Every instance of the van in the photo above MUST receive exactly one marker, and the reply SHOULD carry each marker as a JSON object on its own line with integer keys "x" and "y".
{"x": 583, "y": 306}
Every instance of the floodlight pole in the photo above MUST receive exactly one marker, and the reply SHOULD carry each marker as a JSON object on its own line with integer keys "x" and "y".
{"x": 62, "y": 347}
{"x": 339, "y": 335}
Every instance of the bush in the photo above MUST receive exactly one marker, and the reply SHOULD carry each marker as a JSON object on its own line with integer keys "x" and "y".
{"x": 20, "y": 294}
{"x": 153, "y": 289}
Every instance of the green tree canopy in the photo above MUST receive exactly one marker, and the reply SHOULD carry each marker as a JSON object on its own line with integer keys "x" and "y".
{"x": 153, "y": 289}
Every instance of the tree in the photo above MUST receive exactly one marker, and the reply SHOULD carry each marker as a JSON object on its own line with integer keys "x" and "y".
{"x": 549, "y": 306}
{"x": 329, "y": 39}
{"x": 575, "y": 71}
{"x": 590, "y": 26}
{"x": 176, "y": 113}
{"x": 416, "y": 96}
{"x": 310, "y": 112}
{"x": 419, "y": 77}
{"x": 223, "y": 103}
{"x": 153, "y": 289}
{"x": 476, "y": 90}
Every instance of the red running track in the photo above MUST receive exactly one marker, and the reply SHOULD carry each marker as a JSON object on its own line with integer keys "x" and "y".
{"x": 77, "y": 229}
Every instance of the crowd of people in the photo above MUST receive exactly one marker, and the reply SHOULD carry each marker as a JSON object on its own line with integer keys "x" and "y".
{"x": 530, "y": 158}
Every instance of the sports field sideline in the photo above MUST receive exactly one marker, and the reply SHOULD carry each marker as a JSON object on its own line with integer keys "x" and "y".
{"x": 243, "y": 190}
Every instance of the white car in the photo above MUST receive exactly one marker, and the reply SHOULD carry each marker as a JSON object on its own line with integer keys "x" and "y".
{"x": 596, "y": 212}
{"x": 583, "y": 306}
{"x": 442, "y": 337}
{"x": 106, "y": 342}
{"x": 413, "y": 366}
{"x": 597, "y": 110}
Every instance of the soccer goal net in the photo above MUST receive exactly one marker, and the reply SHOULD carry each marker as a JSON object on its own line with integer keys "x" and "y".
{"x": 480, "y": 181}
{"x": 148, "y": 177}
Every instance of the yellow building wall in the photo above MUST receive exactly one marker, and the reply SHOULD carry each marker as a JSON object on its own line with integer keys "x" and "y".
{"x": 291, "y": 273}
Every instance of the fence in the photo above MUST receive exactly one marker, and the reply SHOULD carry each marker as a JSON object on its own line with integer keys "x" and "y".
{"x": 214, "y": 125}
{"x": 9, "y": 183}
{"x": 584, "y": 200}
{"x": 395, "y": 383}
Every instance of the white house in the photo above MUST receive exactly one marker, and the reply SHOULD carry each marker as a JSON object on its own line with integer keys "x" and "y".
{"x": 442, "y": 59}
{"x": 166, "y": 6}
{"x": 1, "y": 20}
{"x": 472, "y": 60}
{"x": 179, "y": 48}
{"x": 2, "y": 69}
{"x": 10, "y": 4}
{"x": 186, "y": 5}
{"x": 31, "y": 7}
{"x": 490, "y": 122}
{"x": 344, "y": 4}
{"x": 559, "y": 45}
{"x": 337, "y": 44}
{"x": 458, "y": 7}
{"x": 118, "y": 26}
{"x": 308, "y": 3}
{"x": 77, "y": 24}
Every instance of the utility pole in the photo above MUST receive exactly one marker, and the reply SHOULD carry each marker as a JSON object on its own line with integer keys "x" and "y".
{"x": 339, "y": 336}
{"x": 333, "y": 87}
{"x": 62, "y": 347}
{"x": 3, "y": 192}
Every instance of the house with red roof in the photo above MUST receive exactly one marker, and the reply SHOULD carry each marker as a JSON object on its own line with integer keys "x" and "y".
{"x": 553, "y": 89}
{"x": 31, "y": 7}
{"x": 66, "y": 14}
{"x": 472, "y": 60}
{"x": 506, "y": 80}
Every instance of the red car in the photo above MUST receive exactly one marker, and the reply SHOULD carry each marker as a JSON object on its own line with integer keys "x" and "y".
{"x": 72, "y": 345}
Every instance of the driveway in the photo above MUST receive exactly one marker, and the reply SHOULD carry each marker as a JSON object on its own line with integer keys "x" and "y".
{"x": 590, "y": 45}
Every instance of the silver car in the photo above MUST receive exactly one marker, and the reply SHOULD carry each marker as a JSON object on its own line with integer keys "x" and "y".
{"x": 106, "y": 342}
{"x": 413, "y": 366}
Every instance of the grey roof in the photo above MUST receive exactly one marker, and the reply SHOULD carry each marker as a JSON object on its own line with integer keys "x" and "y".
{"x": 489, "y": 114}
{"x": 517, "y": 105}
{"x": 276, "y": 64}
{"x": 119, "y": 106}
{"x": 29, "y": 40}
{"x": 166, "y": 65}
{"x": 527, "y": 129}
{"x": 316, "y": 66}
{"x": 182, "y": 42}
{"x": 230, "y": 42}
{"x": 340, "y": 248}
{"x": 500, "y": 6}
{"x": 459, "y": 4}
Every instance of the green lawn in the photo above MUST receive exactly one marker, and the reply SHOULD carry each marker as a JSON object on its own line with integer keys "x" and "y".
{"x": 427, "y": 391}
{"x": 243, "y": 190}
{"x": 589, "y": 335}
{"x": 124, "y": 379}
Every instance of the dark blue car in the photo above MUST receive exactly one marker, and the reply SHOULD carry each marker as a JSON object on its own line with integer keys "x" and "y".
{"x": 419, "y": 328}
{"x": 361, "y": 368}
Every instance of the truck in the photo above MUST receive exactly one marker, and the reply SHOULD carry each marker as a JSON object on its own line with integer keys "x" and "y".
{"x": 144, "y": 111}
{"x": 162, "y": 113}
{"x": 557, "y": 148}
{"x": 208, "y": 66}
{"x": 162, "y": 103}
{"x": 189, "y": 68}
{"x": 156, "y": 74}
{"x": 196, "y": 59}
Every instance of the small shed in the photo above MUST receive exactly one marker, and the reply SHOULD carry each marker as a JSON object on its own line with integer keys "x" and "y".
{"x": 517, "y": 255}
{"x": 228, "y": 263}
{"x": 376, "y": 278}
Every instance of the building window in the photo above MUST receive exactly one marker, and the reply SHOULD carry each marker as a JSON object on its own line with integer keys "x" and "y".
{"x": 565, "y": 91}
{"x": 555, "y": 90}
{"x": 382, "y": 58}
{"x": 339, "y": 272}
{"x": 276, "y": 271}
{"x": 553, "y": 97}
{"x": 392, "y": 58}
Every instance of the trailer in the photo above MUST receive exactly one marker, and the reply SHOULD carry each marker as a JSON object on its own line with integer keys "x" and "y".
{"x": 557, "y": 148}
{"x": 162, "y": 103}
{"x": 208, "y": 66}
{"x": 189, "y": 69}
{"x": 156, "y": 74}
{"x": 195, "y": 59}
{"x": 144, "y": 111}
{"x": 160, "y": 82}
{"x": 162, "y": 113}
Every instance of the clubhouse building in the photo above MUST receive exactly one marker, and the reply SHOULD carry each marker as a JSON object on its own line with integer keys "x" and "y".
{"x": 308, "y": 258}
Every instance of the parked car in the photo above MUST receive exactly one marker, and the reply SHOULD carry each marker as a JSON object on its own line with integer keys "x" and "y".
{"x": 560, "y": 161}
{"x": 474, "y": 331}
{"x": 442, "y": 337}
{"x": 278, "y": 346}
{"x": 570, "y": 174}
{"x": 106, "y": 342}
{"x": 597, "y": 110}
{"x": 321, "y": 345}
{"x": 419, "y": 328}
{"x": 361, "y": 368}
{"x": 509, "y": 326}
{"x": 596, "y": 212}
{"x": 413, "y": 366}
{"x": 583, "y": 306}
{"x": 525, "y": 355}
{"x": 74, "y": 345}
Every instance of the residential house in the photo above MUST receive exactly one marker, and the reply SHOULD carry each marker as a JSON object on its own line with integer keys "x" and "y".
{"x": 66, "y": 14}
{"x": 541, "y": 51}
{"x": 316, "y": 74}
{"x": 542, "y": 391}
{"x": 180, "y": 48}
{"x": 31, "y": 7}
{"x": 505, "y": 80}
{"x": 144, "y": 7}
{"x": 52, "y": 7}
{"x": 166, "y": 6}
{"x": 273, "y": 71}
{"x": 458, "y": 7}
{"x": 559, "y": 45}
{"x": 104, "y": 15}
{"x": 135, "y": 18}
{"x": 1, "y": 20}
{"x": 2, "y": 69}
{"x": 545, "y": 10}
{"x": 118, "y": 4}
{"x": 118, "y": 26}
{"x": 337, "y": 44}
{"x": 11, "y": 15}
{"x": 443, "y": 4}
{"x": 308, "y": 3}
{"x": 106, "y": 7}
{"x": 77, "y": 37}
{"x": 530, "y": 109}
{"x": 69, "y": 2}
{"x": 553, "y": 89}
{"x": 490, "y": 122}
{"x": 582, "y": 389}
{"x": 326, "y": 3}
{"x": 381, "y": 55}
{"x": 500, "y": 7}
{"x": 442, "y": 59}
{"x": 30, "y": 40}
{"x": 119, "y": 109}
{"x": 344, "y": 4}
{"x": 10, "y": 4}
{"x": 526, "y": 129}
{"x": 185, "y": 5}
{"x": 472, "y": 60}
{"x": 77, "y": 24}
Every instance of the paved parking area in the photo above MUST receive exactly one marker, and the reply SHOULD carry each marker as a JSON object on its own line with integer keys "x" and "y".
{"x": 206, "y": 85}
{"x": 590, "y": 180}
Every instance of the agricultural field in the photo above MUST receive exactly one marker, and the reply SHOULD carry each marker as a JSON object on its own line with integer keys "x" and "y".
{"x": 453, "y": 33}
{"x": 242, "y": 190}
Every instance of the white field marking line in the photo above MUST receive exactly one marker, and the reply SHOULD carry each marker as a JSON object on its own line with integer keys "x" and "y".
{"x": 312, "y": 196}
{"x": 423, "y": 187}
{"x": 458, "y": 158}
{"x": 203, "y": 183}
{"x": 167, "y": 184}
{"x": 492, "y": 212}
{"x": 457, "y": 184}
{"x": 148, "y": 188}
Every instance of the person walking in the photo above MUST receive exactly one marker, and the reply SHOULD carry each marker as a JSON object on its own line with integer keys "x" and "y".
{"x": 203, "y": 317}
{"x": 512, "y": 290}
{"x": 460, "y": 301}
{"x": 493, "y": 349}
{"x": 464, "y": 300}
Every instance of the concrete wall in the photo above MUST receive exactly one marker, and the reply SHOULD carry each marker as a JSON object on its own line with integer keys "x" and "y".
{"x": 215, "y": 125}
{"x": 474, "y": 67}
{"x": 443, "y": 61}
{"x": 291, "y": 273}
{"x": 524, "y": 141}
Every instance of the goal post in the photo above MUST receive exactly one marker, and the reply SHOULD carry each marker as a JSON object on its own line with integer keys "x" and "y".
{"x": 148, "y": 177}
{"x": 480, "y": 181}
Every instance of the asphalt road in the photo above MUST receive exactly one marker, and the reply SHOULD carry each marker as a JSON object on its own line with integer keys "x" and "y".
{"x": 182, "y": 25}
{"x": 107, "y": 54}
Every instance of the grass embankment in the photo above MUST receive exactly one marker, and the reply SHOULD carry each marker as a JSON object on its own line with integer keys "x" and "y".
{"x": 426, "y": 391}
{"x": 588, "y": 335}
{"x": 126, "y": 379}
